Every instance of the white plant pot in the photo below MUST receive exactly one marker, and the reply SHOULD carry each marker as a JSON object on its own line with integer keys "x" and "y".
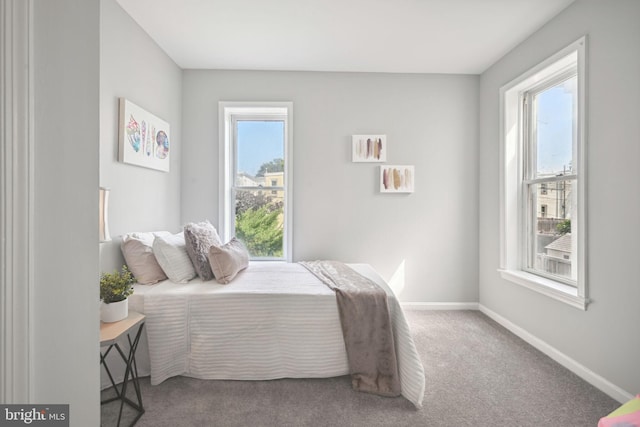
{"x": 114, "y": 311}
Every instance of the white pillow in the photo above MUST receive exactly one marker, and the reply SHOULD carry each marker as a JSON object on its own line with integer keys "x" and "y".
{"x": 171, "y": 253}
{"x": 138, "y": 254}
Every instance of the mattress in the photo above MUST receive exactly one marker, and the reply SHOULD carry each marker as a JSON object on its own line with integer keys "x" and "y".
{"x": 274, "y": 320}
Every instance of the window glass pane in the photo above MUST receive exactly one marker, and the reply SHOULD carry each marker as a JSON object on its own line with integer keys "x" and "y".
{"x": 555, "y": 110}
{"x": 259, "y": 213}
{"x": 552, "y": 245}
{"x": 260, "y": 153}
{"x": 259, "y": 222}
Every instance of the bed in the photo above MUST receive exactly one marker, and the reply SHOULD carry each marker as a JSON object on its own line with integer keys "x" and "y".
{"x": 268, "y": 320}
{"x": 274, "y": 320}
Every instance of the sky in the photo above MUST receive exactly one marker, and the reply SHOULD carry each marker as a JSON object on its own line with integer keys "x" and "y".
{"x": 555, "y": 129}
{"x": 259, "y": 142}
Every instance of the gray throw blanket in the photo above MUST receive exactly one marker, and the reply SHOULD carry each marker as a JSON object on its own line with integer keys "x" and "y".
{"x": 366, "y": 327}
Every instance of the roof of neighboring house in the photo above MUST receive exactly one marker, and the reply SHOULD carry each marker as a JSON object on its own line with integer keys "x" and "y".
{"x": 562, "y": 244}
{"x": 246, "y": 179}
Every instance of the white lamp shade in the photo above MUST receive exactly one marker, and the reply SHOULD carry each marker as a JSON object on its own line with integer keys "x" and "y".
{"x": 104, "y": 218}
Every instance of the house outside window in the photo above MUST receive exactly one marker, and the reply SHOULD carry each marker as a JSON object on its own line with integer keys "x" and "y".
{"x": 543, "y": 211}
{"x": 255, "y": 196}
{"x": 542, "y": 186}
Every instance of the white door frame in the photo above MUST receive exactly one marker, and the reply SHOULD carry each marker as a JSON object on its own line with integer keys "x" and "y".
{"x": 16, "y": 200}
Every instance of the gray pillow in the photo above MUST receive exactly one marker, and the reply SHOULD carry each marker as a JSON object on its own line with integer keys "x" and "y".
{"x": 228, "y": 260}
{"x": 199, "y": 237}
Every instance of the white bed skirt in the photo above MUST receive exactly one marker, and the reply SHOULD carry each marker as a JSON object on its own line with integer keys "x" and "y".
{"x": 275, "y": 320}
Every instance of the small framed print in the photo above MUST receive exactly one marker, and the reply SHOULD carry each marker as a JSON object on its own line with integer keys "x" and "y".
{"x": 397, "y": 179}
{"x": 143, "y": 138}
{"x": 369, "y": 148}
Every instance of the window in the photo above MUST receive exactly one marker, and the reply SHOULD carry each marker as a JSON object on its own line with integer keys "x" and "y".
{"x": 548, "y": 146}
{"x": 255, "y": 196}
{"x": 542, "y": 185}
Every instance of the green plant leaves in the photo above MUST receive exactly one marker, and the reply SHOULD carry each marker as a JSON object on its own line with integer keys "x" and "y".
{"x": 116, "y": 286}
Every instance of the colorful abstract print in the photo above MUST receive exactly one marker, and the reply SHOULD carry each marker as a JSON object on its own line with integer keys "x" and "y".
{"x": 150, "y": 143}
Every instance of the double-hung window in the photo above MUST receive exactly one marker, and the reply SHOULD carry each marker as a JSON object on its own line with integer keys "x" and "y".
{"x": 255, "y": 181}
{"x": 543, "y": 205}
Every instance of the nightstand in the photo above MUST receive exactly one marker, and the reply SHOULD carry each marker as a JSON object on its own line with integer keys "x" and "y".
{"x": 110, "y": 333}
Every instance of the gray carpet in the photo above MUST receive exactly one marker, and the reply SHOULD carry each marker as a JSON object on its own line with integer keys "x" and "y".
{"x": 477, "y": 374}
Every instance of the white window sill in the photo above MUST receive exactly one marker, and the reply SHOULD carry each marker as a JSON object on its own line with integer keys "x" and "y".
{"x": 556, "y": 290}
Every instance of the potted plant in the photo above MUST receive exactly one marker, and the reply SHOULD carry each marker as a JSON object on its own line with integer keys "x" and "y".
{"x": 115, "y": 288}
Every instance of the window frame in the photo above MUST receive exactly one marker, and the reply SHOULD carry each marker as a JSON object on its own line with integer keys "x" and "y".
{"x": 513, "y": 174}
{"x": 531, "y": 179}
{"x": 229, "y": 113}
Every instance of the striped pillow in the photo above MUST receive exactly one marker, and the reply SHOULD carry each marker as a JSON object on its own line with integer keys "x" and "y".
{"x": 171, "y": 253}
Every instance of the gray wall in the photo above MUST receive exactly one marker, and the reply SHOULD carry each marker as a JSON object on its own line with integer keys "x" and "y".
{"x": 65, "y": 297}
{"x": 430, "y": 122}
{"x": 134, "y": 67}
{"x": 604, "y": 338}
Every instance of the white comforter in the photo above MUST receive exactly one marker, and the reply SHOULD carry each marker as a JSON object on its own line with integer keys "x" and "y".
{"x": 274, "y": 320}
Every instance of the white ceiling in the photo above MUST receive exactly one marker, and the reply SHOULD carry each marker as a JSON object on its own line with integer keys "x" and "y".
{"x": 403, "y": 36}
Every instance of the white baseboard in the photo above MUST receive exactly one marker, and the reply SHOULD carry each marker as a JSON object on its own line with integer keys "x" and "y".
{"x": 439, "y": 305}
{"x": 582, "y": 371}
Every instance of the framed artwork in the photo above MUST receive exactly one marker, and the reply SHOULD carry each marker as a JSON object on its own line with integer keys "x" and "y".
{"x": 397, "y": 179}
{"x": 369, "y": 148}
{"x": 144, "y": 139}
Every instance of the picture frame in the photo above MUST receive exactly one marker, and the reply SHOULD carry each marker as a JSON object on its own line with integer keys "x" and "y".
{"x": 143, "y": 138}
{"x": 397, "y": 179}
{"x": 369, "y": 148}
